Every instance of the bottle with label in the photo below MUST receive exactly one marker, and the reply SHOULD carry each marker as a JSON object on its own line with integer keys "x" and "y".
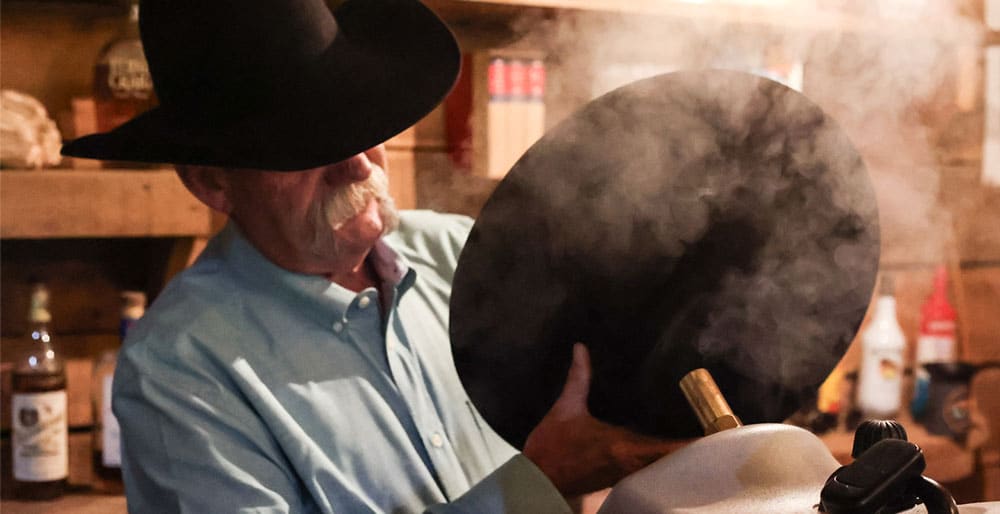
{"x": 936, "y": 342}
{"x": 107, "y": 442}
{"x": 123, "y": 87}
{"x": 882, "y": 343}
{"x": 39, "y": 423}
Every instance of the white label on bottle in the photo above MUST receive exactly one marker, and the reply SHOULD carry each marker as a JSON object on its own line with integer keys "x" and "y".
{"x": 128, "y": 77}
{"x": 880, "y": 382}
{"x": 41, "y": 440}
{"x": 932, "y": 348}
{"x": 111, "y": 456}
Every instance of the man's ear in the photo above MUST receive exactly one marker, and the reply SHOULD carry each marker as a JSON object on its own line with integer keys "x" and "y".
{"x": 208, "y": 184}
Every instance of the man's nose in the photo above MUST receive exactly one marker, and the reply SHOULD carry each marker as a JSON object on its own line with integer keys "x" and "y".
{"x": 356, "y": 168}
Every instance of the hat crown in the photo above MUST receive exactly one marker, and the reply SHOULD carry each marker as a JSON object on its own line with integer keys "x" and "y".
{"x": 280, "y": 84}
{"x": 224, "y": 54}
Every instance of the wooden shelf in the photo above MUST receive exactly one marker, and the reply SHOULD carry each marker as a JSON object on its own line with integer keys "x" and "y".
{"x": 98, "y": 203}
{"x": 77, "y": 503}
{"x": 789, "y": 15}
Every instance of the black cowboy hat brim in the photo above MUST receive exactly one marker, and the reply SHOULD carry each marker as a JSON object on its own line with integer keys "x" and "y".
{"x": 385, "y": 70}
{"x": 697, "y": 219}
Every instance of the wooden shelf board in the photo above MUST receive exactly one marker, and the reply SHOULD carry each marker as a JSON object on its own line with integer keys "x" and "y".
{"x": 98, "y": 203}
{"x": 788, "y": 15}
{"x": 78, "y": 503}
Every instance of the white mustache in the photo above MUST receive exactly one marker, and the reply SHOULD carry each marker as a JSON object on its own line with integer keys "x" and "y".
{"x": 350, "y": 200}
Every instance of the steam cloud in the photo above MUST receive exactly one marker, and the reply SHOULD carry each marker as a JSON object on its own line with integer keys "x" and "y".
{"x": 875, "y": 85}
{"x": 886, "y": 70}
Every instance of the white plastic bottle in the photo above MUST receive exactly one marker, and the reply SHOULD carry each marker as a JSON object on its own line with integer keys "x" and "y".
{"x": 880, "y": 379}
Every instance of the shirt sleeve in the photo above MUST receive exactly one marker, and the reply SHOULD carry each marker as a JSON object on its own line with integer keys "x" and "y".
{"x": 516, "y": 487}
{"x": 188, "y": 449}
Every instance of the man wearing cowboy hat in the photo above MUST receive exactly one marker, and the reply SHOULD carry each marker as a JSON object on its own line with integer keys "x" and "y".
{"x": 302, "y": 364}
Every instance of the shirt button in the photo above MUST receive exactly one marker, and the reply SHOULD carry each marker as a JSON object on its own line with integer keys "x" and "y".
{"x": 390, "y": 345}
{"x": 436, "y": 440}
{"x": 338, "y": 327}
{"x": 364, "y": 302}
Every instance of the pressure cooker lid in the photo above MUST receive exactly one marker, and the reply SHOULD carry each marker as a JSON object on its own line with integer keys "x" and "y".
{"x": 695, "y": 219}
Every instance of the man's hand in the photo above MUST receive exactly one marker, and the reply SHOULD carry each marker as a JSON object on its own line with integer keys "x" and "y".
{"x": 578, "y": 452}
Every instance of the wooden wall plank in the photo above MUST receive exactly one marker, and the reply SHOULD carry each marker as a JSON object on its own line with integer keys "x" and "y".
{"x": 402, "y": 178}
{"x": 982, "y": 293}
{"x": 979, "y": 227}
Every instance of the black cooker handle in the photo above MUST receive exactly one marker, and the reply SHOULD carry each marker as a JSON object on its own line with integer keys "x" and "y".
{"x": 884, "y": 479}
{"x": 935, "y": 498}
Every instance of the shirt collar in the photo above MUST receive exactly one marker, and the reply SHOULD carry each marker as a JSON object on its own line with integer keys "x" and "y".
{"x": 323, "y": 300}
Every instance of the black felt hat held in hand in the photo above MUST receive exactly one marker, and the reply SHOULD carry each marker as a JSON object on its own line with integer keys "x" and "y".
{"x": 280, "y": 84}
{"x": 696, "y": 219}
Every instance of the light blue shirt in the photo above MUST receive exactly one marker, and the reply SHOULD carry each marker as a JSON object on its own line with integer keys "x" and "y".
{"x": 250, "y": 388}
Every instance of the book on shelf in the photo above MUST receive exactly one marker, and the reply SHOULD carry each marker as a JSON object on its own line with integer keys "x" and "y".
{"x": 496, "y": 110}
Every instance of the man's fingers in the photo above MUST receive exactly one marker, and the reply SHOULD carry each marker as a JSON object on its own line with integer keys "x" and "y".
{"x": 644, "y": 450}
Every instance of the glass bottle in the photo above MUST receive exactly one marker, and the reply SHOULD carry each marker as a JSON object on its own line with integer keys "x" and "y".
{"x": 39, "y": 411}
{"x": 107, "y": 440}
{"x": 123, "y": 87}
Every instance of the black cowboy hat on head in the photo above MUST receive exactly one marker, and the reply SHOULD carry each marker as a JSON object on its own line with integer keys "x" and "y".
{"x": 280, "y": 84}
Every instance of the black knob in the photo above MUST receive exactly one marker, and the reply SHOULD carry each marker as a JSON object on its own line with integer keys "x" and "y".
{"x": 873, "y": 431}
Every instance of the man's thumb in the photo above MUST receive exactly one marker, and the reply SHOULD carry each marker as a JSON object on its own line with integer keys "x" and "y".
{"x": 574, "y": 393}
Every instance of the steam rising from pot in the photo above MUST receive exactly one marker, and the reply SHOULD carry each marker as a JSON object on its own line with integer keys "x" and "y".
{"x": 705, "y": 220}
{"x": 892, "y": 73}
